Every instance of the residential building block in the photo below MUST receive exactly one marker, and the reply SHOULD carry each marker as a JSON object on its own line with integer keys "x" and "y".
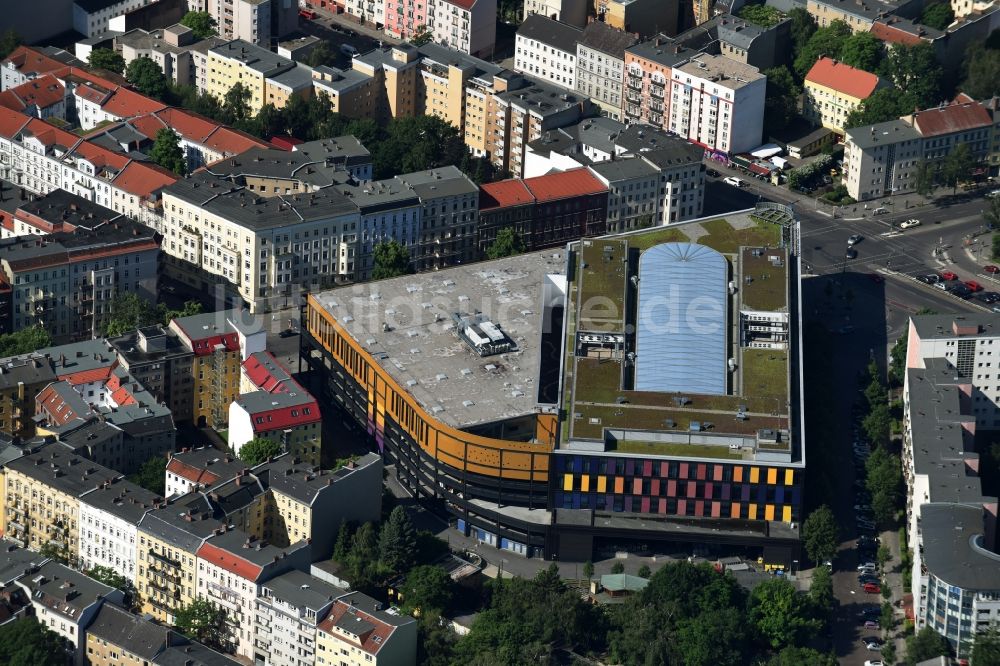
{"x": 600, "y": 66}
{"x": 357, "y": 631}
{"x": 833, "y": 90}
{"x": 109, "y": 519}
{"x": 547, "y": 49}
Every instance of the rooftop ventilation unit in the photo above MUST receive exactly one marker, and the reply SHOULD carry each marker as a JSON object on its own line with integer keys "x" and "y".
{"x": 482, "y": 335}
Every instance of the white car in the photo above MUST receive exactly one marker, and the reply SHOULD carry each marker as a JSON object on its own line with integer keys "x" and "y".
{"x": 874, "y": 662}
{"x": 909, "y": 223}
{"x": 994, "y": 193}
{"x": 732, "y": 180}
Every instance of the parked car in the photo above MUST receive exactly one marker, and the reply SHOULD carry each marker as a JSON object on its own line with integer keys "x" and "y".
{"x": 912, "y": 222}
{"x": 286, "y": 333}
{"x": 712, "y": 172}
{"x": 732, "y": 180}
{"x": 948, "y": 276}
{"x": 973, "y": 285}
{"x": 994, "y": 193}
{"x": 943, "y": 286}
{"x": 851, "y": 253}
{"x": 988, "y": 297}
{"x": 991, "y": 269}
{"x": 959, "y": 289}
{"x": 880, "y": 211}
{"x": 854, "y": 239}
{"x": 866, "y": 565}
{"x": 307, "y": 14}
{"x": 871, "y": 624}
{"x": 348, "y": 50}
{"x": 872, "y": 644}
{"x": 926, "y": 279}
{"x": 872, "y": 588}
{"x": 870, "y": 611}
{"x": 874, "y": 662}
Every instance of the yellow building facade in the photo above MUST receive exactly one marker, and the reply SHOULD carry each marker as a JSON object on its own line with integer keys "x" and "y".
{"x": 244, "y": 63}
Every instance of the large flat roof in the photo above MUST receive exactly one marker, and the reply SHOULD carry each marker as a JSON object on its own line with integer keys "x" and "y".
{"x": 954, "y": 550}
{"x": 422, "y": 351}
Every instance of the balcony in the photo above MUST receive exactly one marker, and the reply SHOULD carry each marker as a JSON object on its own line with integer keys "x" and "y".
{"x": 656, "y": 91}
{"x": 634, "y": 84}
{"x": 163, "y": 559}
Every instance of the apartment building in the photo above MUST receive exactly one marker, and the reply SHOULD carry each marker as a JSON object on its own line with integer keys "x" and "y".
{"x": 40, "y": 158}
{"x": 91, "y": 17}
{"x": 240, "y": 61}
{"x": 219, "y": 343}
{"x": 646, "y": 17}
{"x": 523, "y": 114}
{"x": 257, "y": 248}
{"x": 26, "y": 63}
{"x": 309, "y": 167}
{"x": 368, "y": 11}
{"x": 295, "y": 82}
{"x": 833, "y": 89}
{"x": 174, "y": 48}
{"x": 449, "y": 212}
{"x": 56, "y": 211}
{"x": 547, "y": 49}
{"x": 857, "y": 14}
{"x": 754, "y": 45}
{"x": 545, "y": 211}
{"x": 573, "y": 12}
{"x": 648, "y": 70}
{"x": 232, "y": 567}
{"x": 884, "y": 159}
{"x": 190, "y": 470}
{"x": 20, "y": 380}
{"x": 260, "y": 22}
{"x": 717, "y": 103}
{"x": 66, "y": 601}
{"x": 160, "y": 362}
{"x": 108, "y": 528}
{"x": 42, "y": 497}
{"x": 357, "y": 632}
{"x": 468, "y": 26}
{"x": 289, "y": 609}
{"x": 169, "y": 538}
{"x": 117, "y": 636}
{"x": 600, "y": 66}
{"x": 313, "y": 502}
{"x": 273, "y": 406}
{"x": 389, "y": 210}
{"x": 97, "y": 101}
{"x": 65, "y": 281}
{"x": 42, "y": 98}
{"x": 633, "y": 192}
{"x": 351, "y": 93}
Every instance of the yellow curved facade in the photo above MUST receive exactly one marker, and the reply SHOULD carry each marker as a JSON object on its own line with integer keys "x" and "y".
{"x": 522, "y": 461}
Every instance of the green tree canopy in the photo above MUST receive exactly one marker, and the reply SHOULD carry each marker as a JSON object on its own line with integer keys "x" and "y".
{"x": 981, "y": 66}
{"x": 201, "y": 23}
{"x": 507, "y": 243}
{"x": 397, "y": 542}
{"x": 819, "y": 534}
{"x": 151, "y": 475}
{"x": 147, "y": 77}
{"x": 9, "y": 41}
{"x": 824, "y": 41}
{"x": 107, "y": 59}
{"x": 115, "y": 579}
{"x": 236, "y": 104}
{"x": 259, "y": 449}
{"x": 803, "y": 25}
{"x": 915, "y": 71}
{"x": 986, "y": 649}
{"x": 421, "y": 36}
{"x": 167, "y": 152}
{"x": 417, "y": 143}
{"x": 427, "y": 590}
{"x": 780, "y": 614}
{"x": 862, "y": 50}
{"x": 205, "y": 622}
{"x": 763, "y": 15}
{"x": 821, "y": 591}
{"x": 128, "y": 312}
{"x": 884, "y": 481}
{"x": 882, "y": 105}
{"x": 926, "y": 644}
{"x": 26, "y": 642}
{"x": 392, "y": 259}
{"x": 24, "y": 340}
{"x": 322, "y": 54}
{"x": 781, "y": 103}
{"x": 878, "y": 424}
{"x": 958, "y": 166}
{"x": 938, "y": 15}
{"x": 798, "y": 656}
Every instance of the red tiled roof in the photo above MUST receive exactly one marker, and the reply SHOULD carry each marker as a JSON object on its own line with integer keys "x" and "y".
{"x": 11, "y": 122}
{"x": 229, "y": 561}
{"x": 100, "y": 156}
{"x": 125, "y": 103}
{"x": 843, "y": 78}
{"x": 143, "y": 178}
{"x": 9, "y": 100}
{"x": 504, "y": 193}
{"x": 893, "y": 35}
{"x": 563, "y": 185}
{"x": 462, "y": 4}
{"x": 101, "y": 374}
{"x": 192, "y": 473}
{"x": 28, "y": 59}
{"x": 55, "y": 408}
{"x": 91, "y": 94}
{"x": 258, "y": 372}
{"x": 285, "y": 142}
{"x": 370, "y": 641}
{"x": 951, "y": 118}
{"x": 42, "y": 92}
{"x": 286, "y": 417}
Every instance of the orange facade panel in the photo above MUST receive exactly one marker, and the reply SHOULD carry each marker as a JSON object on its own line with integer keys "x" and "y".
{"x": 461, "y": 450}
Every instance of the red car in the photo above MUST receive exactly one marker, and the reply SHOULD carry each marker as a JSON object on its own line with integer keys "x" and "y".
{"x": 948, "y": 275}
{"x": 991, "y": 269}
{"x": 307, "y": 14}
{"x": 872, "y": 588}
{"x": 973, "y": 285}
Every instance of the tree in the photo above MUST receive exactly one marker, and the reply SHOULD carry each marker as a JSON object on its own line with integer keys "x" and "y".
{"x": 796, "y": 656}
{"x": 958, "y": 166}
{"x": 107, "y": 59}
{"x": 165, "y": 315}
{"x": 201, "y": 23}
{"x": 9, "y": 41}
{"x": 427, "y": 590}
{"x": 883, "y": 555}
{"x": 915, "y": 71}
{"x": 391, "y": 260}
{"x": 884, "y": 481}
{"x": 27, "y": 642}
{"x": 924, "y": 183}
{"x": 819, "y": 534}
{"x": 421, "y": 36}
{"x": 803, "y": 25}
{"x": 151, "y": 475}
{"x": 259, "y": 449}
{"x": 897, "y": 358}
{"x": 763, "y": 15}
{"x": 644, "y": 571}
{"x": 882, "y": 105}
{"x": 147, "y": 77}
{"x": 981, "y": 67}
{"x": 781, "y": 103}
{"x": 24, "y": 341}
{"x": 780, "y": 614}
{"x": 417, "y": 143}
{"x": 821, "y": 591}
{"x": 926, "y": 644}
{"x": 588, "y": 570}
{"x": 862, "y": 50}
{"x": 205, "y": 622}
{"x": 51, "y": 551}
{"x": 878, "y": 424}
{"x": 321, "y": 55}
{"x": 507, "y": 243}
{"x": 618, "y": 567}
{"x": 397, "y": 542}
{"x": 167, "y": 152}
{"x": 342, "y": 547}
{"x": 236, "y": 104}
{"x": 986, "y": 649}
{"x": 991, "y": 214}
{"x": 128, "y": 312}
{"x": 938, "y": 15}
{"x": 824, "y": 41}
{"x": 114, "y": 579}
